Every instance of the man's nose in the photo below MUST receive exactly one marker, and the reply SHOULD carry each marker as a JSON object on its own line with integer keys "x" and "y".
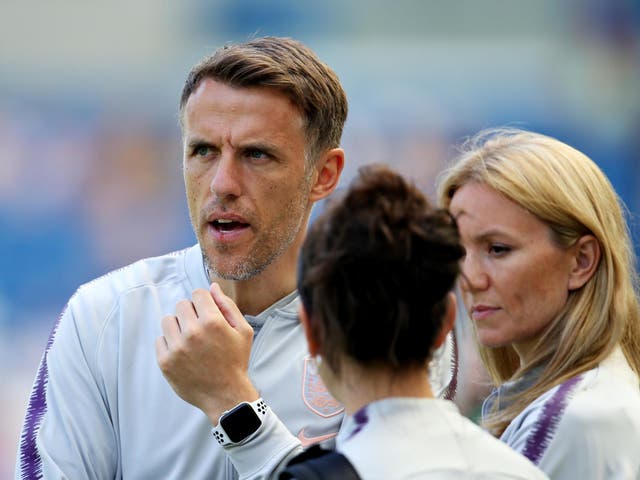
{"x": 226, "y": 181}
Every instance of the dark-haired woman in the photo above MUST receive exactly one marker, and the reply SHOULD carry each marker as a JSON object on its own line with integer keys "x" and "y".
{"x": 375, "y": 280}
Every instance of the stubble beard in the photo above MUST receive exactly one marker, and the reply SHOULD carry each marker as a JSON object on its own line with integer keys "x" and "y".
{"x": 271, "y": 246}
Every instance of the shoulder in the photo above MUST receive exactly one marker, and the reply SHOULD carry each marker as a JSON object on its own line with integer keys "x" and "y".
{"x": 592, "y": 415}
{"x": 601, "y": 401}
{"x": 153, "y": 271}
{"x": 487, "y": 456}
{"x": 599, "y": 434}
{"x": 603, "y": 409}
{"x": 131, "y": 288}
{"x": 457, "y": 446}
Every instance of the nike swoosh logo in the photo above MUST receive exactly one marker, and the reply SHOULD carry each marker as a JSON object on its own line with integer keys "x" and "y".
{"x": 308, "y": 441}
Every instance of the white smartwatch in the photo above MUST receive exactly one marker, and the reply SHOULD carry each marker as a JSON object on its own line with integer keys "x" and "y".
{"x": 240, "y": 422}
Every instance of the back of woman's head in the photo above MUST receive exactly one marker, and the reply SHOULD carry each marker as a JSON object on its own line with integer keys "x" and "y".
{"x": 567, "y": 191}
{"x": 375, "y": 271}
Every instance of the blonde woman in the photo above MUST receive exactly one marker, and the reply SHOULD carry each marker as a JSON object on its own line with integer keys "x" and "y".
{"x": 549, "y": 281}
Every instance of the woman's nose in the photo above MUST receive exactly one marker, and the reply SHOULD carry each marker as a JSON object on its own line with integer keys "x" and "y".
{"x": 473, "y": 274}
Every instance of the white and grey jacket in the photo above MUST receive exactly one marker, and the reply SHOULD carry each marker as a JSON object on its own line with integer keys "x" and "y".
{"x": 100, "y": 407}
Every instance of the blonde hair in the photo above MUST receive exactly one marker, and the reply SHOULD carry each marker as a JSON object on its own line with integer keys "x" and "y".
{"x": 567, "y": 191}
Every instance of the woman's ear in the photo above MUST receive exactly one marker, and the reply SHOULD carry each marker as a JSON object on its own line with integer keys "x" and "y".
{"x": 585, "y": 262}
{"x": 312, "y": 343}
{"x": 448, "y": 321}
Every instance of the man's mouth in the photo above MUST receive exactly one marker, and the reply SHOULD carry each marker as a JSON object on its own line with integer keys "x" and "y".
{"x": 225, "y": 225}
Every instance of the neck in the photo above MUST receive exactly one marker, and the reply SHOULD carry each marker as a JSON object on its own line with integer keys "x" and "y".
{"x": 525, "y": 350}
{"x": 256, "y": 294}
{"x": 360, "y": 385}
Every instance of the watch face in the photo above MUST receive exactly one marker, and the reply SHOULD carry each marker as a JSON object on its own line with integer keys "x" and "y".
{"x": 240, "y": 422}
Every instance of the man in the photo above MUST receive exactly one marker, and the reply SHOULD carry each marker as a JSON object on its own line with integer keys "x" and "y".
{"x": 261, "y": 123}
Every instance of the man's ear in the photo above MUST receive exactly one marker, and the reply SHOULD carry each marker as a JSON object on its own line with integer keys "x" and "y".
{"x": 448, "y": 321}
{"x": 328, "y": 171}
{"x": 585, "y": 261}
{"x": 312, "y": 343}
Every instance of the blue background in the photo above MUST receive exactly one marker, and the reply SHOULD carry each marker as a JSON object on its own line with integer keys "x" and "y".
{"x": 90, "y": 174}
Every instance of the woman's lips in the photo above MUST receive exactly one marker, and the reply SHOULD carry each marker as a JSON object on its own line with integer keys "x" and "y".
{"x": 480, "y": 312}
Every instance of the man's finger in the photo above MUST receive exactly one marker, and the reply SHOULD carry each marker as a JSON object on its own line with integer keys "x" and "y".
{"x": 227, "y": 307}
{"x": 170, "y": 329}
{"x": 204, "y": 305}
{"x": 162, "y": 349}
{"x": 185, "y": 313}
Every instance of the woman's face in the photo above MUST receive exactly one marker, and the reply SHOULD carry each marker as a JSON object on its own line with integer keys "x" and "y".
{"x": 515, "y": 279}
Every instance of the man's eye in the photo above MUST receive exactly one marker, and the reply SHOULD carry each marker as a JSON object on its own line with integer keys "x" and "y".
{"x": 257, "y": 154}
{"x": 202, "y": 151}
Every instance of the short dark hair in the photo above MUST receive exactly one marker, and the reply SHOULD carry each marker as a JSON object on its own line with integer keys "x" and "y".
{"x": 375, "y": 271}
{"x": 287, "y": 66}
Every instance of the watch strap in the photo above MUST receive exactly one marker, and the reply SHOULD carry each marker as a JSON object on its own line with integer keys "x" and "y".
{"x": 260, "y": 409}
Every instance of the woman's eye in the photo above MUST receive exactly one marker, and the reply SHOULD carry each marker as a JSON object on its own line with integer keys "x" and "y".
{"x": 498, "y": 249}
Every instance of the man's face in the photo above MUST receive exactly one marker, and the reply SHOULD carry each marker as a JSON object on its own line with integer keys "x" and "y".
{"x": 245, "y": 178}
